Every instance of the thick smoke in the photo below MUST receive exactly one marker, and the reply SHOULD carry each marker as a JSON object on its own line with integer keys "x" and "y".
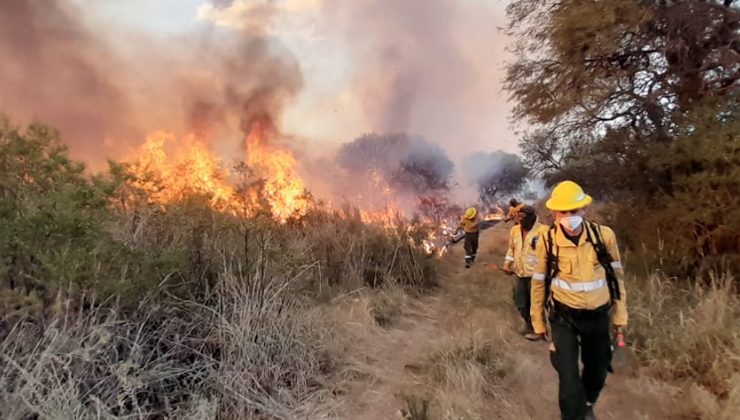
{"x": 254, "y": 78}
{"x": 411, "y": 50}
{"x": 427, "y": 67}
{"x": 430, "y": 67}
{"x": 394, "y": 168}
{"x": 54, "y": 69}
{"x": 209, "y": 83}
{"x": 495, "y": 174}
{"x": 248, "y": 84}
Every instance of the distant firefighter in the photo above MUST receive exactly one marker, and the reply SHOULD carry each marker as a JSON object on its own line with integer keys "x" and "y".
{"x": 514, "y": 207}
{"x": 471, "y": 223}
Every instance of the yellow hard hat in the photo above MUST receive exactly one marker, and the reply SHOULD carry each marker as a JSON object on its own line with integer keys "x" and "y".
{"x": 568, "y": 195}
{"x": 470, "y": 213}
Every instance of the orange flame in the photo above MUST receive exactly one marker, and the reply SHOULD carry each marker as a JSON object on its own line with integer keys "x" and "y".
{"x": 283, "y": 187}
{"x": 497, "y": 214}
{"x": 168, "y": 170}
{"x": 387, "y": 217}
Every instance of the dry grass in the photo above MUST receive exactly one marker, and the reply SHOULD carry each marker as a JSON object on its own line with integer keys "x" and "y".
{"x": 464, "y": 376}
{"x": 275, "y": 353}
{"x": 690, "y": 331}
{"x": 249, "y": 352}
{"x": 699, "y": 403}
{"x": 389, "y": 305}
{"x": 683, "y": 330}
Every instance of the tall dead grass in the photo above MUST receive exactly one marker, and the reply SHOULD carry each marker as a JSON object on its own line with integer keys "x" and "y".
{"x": 249, "y": 351}
{"x": 465, "y": 376}
{"x": 275, "y": 353}
{"x": 690, "y": 331}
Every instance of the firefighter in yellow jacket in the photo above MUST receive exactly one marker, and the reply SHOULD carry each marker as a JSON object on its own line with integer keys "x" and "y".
{"x": 470, "y": 224}
{"x": 520, "y": 261}
{"x": 579, "y": 278}
{"x": 513, "y": 214}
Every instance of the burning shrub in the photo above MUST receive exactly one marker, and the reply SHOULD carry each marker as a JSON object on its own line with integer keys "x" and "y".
{"x": 352, "y": 253}
{"x": 119, "y": 303}
{"x": 116, "y": 236}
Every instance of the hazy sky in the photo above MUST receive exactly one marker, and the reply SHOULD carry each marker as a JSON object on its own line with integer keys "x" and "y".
{"x": 427, "y": 67}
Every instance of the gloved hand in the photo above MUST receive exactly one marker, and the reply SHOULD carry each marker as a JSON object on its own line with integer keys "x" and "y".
{"x": 507, "y": 267}
{"x": 619, "y": 335}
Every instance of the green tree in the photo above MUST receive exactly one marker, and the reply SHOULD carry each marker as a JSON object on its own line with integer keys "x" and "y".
{"x": 52, "y": 216}
{"x": 584, "y": 66}
{"x": 628, "y": 98}
{"x": 697, "y": 226}
{"x": 57, "y": 230}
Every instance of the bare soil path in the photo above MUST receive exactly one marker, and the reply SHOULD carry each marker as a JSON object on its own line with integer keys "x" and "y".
{"x": 471, "y": 304}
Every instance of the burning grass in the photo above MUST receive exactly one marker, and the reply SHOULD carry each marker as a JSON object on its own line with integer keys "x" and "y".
{"x": 146, "y": 292}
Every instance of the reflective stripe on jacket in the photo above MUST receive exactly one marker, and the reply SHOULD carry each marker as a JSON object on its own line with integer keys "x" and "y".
{"x": 522, "y": 251}
{"x": 581, "y": 281}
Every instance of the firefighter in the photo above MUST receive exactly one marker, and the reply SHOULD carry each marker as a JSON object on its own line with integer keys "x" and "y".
{"x": 513, "y": 213}
{"x": 470, "y": 224}
{"x": 579, "y": 279}
{"x": 523, "y": 238}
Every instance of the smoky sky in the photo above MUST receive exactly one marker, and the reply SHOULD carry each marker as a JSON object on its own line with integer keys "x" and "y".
{"x": 58, "y": 70}
{"x": 426, "y": 67}
{"x": 429, "y": 67}
{"x": 495, "y": 173}
{"x": 411, "y": 55}
{"x": 54, "y": 69}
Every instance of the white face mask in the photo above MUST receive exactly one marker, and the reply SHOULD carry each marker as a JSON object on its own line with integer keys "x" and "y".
{"x": 571, "y": 223}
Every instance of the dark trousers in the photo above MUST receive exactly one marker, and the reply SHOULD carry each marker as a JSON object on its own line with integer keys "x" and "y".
{"x": 522, "y": 299}
{"x": 471, "y": 246}
{"x": 590, "y": 333}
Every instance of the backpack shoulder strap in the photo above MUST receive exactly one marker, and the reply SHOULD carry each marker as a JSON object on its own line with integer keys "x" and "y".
{"x": 553, "y": 252}
{"x": 593, "y": 235}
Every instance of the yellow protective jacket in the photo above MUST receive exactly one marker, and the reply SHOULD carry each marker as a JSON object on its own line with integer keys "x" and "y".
{"x": 522, "y": 251}
{"x": 581, "y": 281}
{"x": 470, "y": 225}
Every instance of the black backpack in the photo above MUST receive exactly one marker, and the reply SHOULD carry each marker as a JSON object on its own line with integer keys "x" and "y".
{"x": 593, "y": 235}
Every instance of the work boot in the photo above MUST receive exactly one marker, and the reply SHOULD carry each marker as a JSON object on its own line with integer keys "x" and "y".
{"x": 590, "y": 412}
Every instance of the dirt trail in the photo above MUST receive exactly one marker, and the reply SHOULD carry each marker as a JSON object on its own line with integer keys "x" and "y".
{"x": 473, "y": 304}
